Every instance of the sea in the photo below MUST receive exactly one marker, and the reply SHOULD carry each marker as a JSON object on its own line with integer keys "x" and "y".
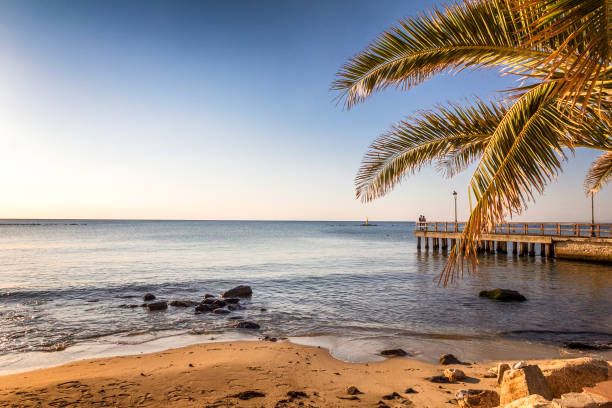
{"x": 72, "y": 289}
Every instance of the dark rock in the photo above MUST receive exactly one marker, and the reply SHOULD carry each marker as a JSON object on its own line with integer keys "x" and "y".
{"x": 203, "y": 308}
{"x": 352, "y": 390}
{"x": 238, "y": 291}
{"x": 393, "y": 353}
{"x": 247, "y": 395}
{"x": 391, "y": 396}
{"x": 214, "y": 303}
{"x": 272, "y": 339}
{"x": 410, "y": 391}
{"x": 297, "y": 394}
{"x": 182, "y": 303}
{"x": 247, "y": 325}
{"x": 576, "y": 345}
{"x": 263, "y": 309}
{"x": 157, "y": 306}
{"x": 231, "y": 300}
{"x": 124, "y": 306}
{"x": 503, "y": 295}
{"x": 382, "y": 405}
{"x": 208, "y": 295}
{"x": 449, "y": 359}
{"x": 350, "y": 398}
{"x": 148, "y": 297}
{"x": 233, "y": 307}
{"x": 438, "y": 379}
{"x": 221, "y": 311}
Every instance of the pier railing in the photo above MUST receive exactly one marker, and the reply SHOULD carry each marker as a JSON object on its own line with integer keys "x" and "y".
{"x": 562, "y": 229}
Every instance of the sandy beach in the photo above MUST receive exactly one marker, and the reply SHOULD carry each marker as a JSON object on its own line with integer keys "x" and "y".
{"x": 269, "y": 374}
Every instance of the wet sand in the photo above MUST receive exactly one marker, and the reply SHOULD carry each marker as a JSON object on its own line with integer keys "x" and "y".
{"x": 214, "y": 375}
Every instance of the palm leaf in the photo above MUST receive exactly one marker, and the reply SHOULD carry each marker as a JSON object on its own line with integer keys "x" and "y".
{"x": 576, "y": 29}
{"x": 451, "y": 135}
{"x": 523, "y": 154}
{"x": 599, "y": 174}
{"x": 474, "y": 34}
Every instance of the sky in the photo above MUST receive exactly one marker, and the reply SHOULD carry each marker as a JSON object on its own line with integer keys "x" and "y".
{"x": 217, "y": 110}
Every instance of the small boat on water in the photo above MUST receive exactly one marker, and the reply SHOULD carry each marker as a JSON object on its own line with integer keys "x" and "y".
{"x": 367, "y": 224}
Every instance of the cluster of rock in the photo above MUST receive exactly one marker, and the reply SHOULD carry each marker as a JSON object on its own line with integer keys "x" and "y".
{"x": 224, "y": 304}
{"x": 547, "y": 384}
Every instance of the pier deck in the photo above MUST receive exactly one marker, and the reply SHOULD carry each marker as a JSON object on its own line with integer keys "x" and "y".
{"x": 592, "y": 242}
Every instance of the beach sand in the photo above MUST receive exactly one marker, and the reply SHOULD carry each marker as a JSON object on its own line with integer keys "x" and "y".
{"x": 214, "y": 375}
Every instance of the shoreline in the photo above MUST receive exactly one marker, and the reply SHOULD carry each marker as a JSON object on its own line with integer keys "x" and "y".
{"x": 215, "y": 374}
{"x": 347, "y": 349}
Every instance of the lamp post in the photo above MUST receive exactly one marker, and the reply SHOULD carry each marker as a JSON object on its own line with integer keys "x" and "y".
{"x": 455, "y": 197}
{"x": 592, "y": 216}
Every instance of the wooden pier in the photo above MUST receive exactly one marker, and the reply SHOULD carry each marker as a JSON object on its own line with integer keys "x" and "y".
{"x": 590, "y": 242}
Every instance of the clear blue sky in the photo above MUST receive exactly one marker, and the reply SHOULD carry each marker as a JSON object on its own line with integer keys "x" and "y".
{"x": 214, "y": 110}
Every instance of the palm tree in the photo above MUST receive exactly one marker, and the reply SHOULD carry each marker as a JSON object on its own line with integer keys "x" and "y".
{"x": 520, "y": 142}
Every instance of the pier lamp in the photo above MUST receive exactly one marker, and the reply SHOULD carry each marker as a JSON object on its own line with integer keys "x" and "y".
{"x": 455, "y": 197}
{"x": 592, "y": 216}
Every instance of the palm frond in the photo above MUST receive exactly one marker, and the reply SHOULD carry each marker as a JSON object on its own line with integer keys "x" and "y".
{"x": 599, "y": 174}
{"x": 523, "y": 154}
{"x": 452, "y": 135}
{"x": 576, "y": 29}
{"x": 473, "y": 34}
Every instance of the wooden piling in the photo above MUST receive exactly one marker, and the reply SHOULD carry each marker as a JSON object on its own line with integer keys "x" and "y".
{"x": 531, "y": 249}
{"x": 418, "y": 242}
{"x": 550, "y": 250}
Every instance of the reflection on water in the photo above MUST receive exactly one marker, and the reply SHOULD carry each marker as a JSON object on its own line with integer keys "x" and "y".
{"x": 62, "y": 284}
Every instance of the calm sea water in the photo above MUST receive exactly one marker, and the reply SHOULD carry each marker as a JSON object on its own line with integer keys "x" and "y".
{"x": 62, "y": 282}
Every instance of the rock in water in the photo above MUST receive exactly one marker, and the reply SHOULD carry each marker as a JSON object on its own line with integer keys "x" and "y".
{"x": 213, "y": 303}
{"x": 503, "y": 295}
{"x": 182, "y": 303}
{"x": 221, "y": 311}
{"x": 148, "y": 297}
{"x": 449, "y": 359}
{"x": 565, "y": 376}
{"x": 454, "y": 374}
{"x": 532, "y": 401}
{"x": 576, "y": 345}
{"x": 203, "y": 308}
{"x": 247, "y": 325}
{"x": 522, "y": 383}
{"x": 393, "y": 353}
{"x": 477, "y": 398}
{"x": 238, "y": 292}
{"x": 157, "y": 306}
